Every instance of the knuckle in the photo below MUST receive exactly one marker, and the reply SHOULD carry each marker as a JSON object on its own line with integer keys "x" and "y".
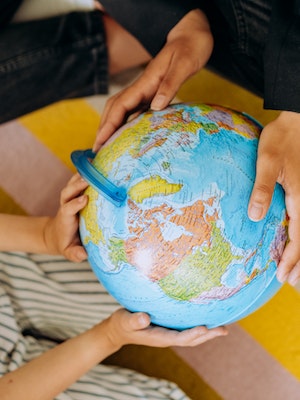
{"x": 262, "y": 193}
{"x": 193, "y": 65}
{"x": 62, "y": 197}
{"x": 64, "y": 208}
{"x": 264, "y": 189}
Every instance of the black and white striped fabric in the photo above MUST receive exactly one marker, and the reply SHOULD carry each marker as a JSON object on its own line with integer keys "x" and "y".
{"x": 47, "y": 299}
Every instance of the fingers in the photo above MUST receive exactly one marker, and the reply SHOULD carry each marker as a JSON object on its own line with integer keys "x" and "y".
{"x": 139, "y": 321}
{"x": 73, "y": 189}
{"x": 198, "y": 335}
{"x": 135, "y": 328}
{"x": 289, "y": 265}
{"x": 278, "y": 160}
{"x": 259, "y": 203}
{"x": 185, "y": 54}
{"x": 75, "y": 253}
{"x": 159, "y": 84}
{"x": 294, "y": 274}
{"x": 72, "y": 207}
{"x": 261, "y": 197}
{"x": 178, "y": 67}
{"x": 163, "y": 337}
{"x": 115, "y": 114}
{"x": 288, "y": 268}
{"x": 189, "y": 46}
{"x": 118, "y": 108}
{"x": 171, "y": 80}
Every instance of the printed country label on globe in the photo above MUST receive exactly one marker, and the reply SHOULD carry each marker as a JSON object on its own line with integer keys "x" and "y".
{"x": 181, "y": 246}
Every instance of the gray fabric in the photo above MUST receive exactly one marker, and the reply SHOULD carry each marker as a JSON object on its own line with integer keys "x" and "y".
{"x": 45, "y": 300}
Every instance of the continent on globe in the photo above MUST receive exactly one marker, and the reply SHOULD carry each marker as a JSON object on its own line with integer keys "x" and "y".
{"x": 180, "y": 245}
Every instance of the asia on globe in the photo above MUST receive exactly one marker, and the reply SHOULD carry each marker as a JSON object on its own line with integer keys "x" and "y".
{"x": 166, "y": 227}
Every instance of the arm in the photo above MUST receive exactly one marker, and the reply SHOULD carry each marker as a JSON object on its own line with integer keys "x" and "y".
{"x": 188, "y": 48}
{"x": 279, "y": 161}
{"x": 47, "y": 235}
{"x": 58, "y": 368}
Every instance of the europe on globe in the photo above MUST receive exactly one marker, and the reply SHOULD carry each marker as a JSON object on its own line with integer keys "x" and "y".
{"x": 166, "y": 226}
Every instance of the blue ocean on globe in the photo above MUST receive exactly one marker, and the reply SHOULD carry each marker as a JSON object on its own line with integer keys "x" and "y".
{"x": 177, "y": 243}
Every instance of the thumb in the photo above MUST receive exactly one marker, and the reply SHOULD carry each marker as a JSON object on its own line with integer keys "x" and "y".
{"x": 262, "y": 192}
{"x": 139, "y": 321}
{"x": 76, "y": 253}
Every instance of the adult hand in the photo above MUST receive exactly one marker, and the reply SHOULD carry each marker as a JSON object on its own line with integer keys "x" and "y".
{"x": 124, "y": 327}
{"x": 61, "y": 232}
{"x": 188, "y": 47}
{"x": 279, "y": 161}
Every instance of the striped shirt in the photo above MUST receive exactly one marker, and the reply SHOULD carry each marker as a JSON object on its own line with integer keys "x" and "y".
{"x": 47, "y": 299}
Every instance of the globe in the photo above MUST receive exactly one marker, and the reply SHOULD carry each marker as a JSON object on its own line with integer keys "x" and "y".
{"x": 166, "y": 227}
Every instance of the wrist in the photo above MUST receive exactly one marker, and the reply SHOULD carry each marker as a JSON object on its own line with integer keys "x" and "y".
{"x": 288, "y": 121}
{"x": 289, "y": 115}
{"x": 103, "y": 339}
{"x": 48, "y": 237}
{"x": 193, "y": 30}
{"x": 195, "y": 19}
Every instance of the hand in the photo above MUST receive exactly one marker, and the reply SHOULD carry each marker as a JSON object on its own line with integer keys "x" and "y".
{"x": 61, "y": 232}
{"x": 134, "y": 328}
{"x": 279, "y": 160}
{"x": 188, "y": 47}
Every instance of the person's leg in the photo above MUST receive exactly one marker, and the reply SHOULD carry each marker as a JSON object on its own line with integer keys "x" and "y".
{"x": 48, "y": 60}
{"x": 63, "y": 57}
{"x": 124, "y": 50}
{"x": 240, "y": 30}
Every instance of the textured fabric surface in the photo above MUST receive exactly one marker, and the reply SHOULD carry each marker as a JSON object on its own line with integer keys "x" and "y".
{"x": 45, "y": 300}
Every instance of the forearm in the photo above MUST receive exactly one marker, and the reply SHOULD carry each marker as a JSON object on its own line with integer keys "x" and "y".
{"x": 22, "y": 233}
{"x": 54, "y": 371}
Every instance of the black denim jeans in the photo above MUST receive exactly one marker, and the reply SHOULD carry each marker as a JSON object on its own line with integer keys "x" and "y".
{"x": 240, "y": 30}
{"x": 65, "y": 57}
{"x": 49, "y": 60}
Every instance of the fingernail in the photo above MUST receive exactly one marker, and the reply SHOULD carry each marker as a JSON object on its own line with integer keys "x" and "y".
{"x": 293, "y": 281}
{"x": 82, "y": 198}
{"x": 143, "y": 319}
{"x": 158, "y": 102}
{"x": 281, "y": 277}
{"x": 256, "y": 212}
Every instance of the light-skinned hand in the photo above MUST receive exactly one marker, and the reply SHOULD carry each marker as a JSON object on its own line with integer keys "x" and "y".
{"x": 135, "y": 328}
{"x": 188, "y": 47}
{"x": 279, "y": 161}
{"x": 61, "y": 232}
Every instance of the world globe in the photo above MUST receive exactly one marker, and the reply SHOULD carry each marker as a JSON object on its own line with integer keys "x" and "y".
{"x": 166, "y": 227}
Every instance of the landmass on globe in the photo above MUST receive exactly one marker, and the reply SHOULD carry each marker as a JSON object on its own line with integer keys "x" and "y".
{"x": 180, "y": 228}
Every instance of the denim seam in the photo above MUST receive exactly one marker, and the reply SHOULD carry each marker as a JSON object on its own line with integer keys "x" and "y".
{"x": 35, "y": 56}
{"x": 241, "y": 45}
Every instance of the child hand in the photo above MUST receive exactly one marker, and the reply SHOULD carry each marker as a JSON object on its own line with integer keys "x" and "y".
{"x": 61, "y": 232}
{"x": 188, "y": 48}
{"x": 124, "y": 327}
{"x": 279, "y": 161}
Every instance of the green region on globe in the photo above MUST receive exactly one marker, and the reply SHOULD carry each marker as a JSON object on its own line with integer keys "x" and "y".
{"x": 180, "y": 246}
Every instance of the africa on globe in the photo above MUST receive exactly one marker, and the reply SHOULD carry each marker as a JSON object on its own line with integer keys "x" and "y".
{"x": 166, "y": 227}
